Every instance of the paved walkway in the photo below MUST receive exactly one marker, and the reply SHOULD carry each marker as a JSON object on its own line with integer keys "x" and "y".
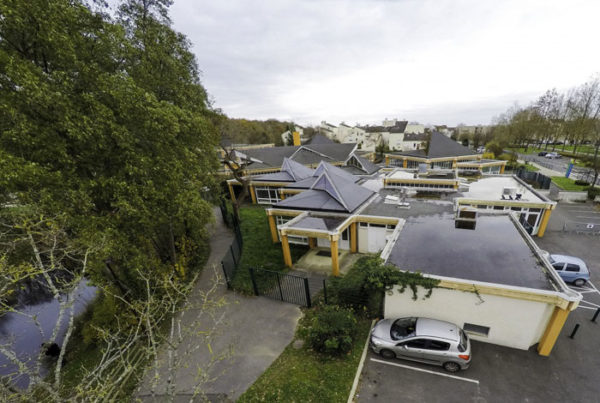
{"x": 251, "y": 333}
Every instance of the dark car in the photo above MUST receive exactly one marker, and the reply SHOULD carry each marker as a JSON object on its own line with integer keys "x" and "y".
{"x": 542, "y": 153}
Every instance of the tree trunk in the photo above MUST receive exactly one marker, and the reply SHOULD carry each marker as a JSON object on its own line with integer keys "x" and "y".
{"x": 596, "y": 167}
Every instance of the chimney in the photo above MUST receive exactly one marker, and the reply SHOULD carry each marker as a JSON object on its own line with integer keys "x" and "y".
{"x": 296, "y": 137}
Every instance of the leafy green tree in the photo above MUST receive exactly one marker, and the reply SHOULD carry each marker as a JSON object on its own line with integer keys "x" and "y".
{"x": 107, "y": 122}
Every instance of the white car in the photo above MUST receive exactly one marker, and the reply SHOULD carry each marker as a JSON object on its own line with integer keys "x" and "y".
{"x": 552, "y": 155}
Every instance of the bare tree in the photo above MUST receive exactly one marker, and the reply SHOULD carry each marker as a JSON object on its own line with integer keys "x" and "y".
{"x": 149, "y": 334}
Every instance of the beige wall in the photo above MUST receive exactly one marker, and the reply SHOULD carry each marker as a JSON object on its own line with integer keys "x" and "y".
{"x": 513, "y": 322}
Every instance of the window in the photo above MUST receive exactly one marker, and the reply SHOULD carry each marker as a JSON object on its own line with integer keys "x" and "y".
{"x": 498, "y": 207}
{"x": 345, "y": 235}
{"x": 295, "y": 239}
{"x": 572, "y": 267}
{"x": 515, "y": 208}
{"x": 417, "y": 343}
{"x": 267, "y": 195}
{"x": 476, "y": 329}
{"x": 438, "y": 345}
{"x": 559, "y": 266}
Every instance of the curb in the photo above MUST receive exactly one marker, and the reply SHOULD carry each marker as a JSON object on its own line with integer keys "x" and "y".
{"x": 360, "y": 365}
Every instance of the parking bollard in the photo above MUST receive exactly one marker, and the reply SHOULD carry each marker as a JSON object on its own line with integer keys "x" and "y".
{"x": 596, "y": 315}
{"x": 575, "y": 329}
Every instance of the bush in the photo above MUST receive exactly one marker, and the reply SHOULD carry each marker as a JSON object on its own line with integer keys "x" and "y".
{"x": 582, "y": 183}
{"x": 593, "y": 192}
{"x": 329, "y": 330}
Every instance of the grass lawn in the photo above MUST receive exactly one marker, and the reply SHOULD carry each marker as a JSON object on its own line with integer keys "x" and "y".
{"x": 568, "y": 184}
{"x": 301, "y": 375}
{"x": 529, "y": 167}
{"x": 258, "y": 250}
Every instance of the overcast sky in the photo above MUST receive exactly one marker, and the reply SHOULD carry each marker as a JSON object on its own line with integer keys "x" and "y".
{"x": 432, "y": 61}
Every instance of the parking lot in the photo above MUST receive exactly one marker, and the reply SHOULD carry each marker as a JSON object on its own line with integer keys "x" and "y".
{"x": 502, "y": 374}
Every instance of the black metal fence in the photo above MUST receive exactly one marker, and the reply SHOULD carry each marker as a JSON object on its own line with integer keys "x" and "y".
{"x": 542, "y": 181}
{"x": 281, "y": 286}
{"x": 231, "y": 261}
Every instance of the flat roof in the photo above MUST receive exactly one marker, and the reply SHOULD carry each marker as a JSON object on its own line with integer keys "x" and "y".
{"x": 493, "y": 252}
{"x": 402, "y": 175}
{"x": 491, "y": 188}
{"x": 416, "y": 207}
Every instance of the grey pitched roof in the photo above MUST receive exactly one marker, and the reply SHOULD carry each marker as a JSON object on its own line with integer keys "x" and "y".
{"x": 322, "y": 223}
{"x": 441, "y": 146}
{"x": 367, "y": 166}
{"x": 415, "y": 137}
{"x": 312, "y": 200}
{"x": 291, "y": 171}
{"x": 323, "y": 166}
{"x": 375, "y": 129}
{"x": 332, "y": 191}
{"x": 337, "y": 152}
{"x": 399, "y": 127}
{"x": 271, "y": 157}
{"x": 320, "y": 139}
{"x": 412, "y": 153}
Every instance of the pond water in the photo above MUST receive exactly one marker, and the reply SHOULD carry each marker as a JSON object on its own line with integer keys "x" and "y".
{"x": 22, "y": 336}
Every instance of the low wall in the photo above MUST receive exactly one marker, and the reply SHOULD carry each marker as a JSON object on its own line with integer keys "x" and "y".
{"x": 565, "y": 196}
{"x": 512, "y": 322}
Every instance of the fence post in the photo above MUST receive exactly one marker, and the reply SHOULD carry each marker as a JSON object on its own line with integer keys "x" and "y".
{"x": 325, "y": 290}
{"x": 253, "y": 281}
{"x": 279, "y": 284}
{"x": 225, "y": 273}
{"x": 307, "y": 291}
{"x": 233, "y": 255}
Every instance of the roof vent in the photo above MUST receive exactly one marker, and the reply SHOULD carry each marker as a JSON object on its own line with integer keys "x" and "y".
{"x": 466, "y": 218}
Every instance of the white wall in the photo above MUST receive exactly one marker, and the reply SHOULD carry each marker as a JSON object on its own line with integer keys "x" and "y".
{"x": 513, "y": 322}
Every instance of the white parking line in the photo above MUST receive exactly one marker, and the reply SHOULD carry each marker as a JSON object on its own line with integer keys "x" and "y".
{"x": 427, "y": 371}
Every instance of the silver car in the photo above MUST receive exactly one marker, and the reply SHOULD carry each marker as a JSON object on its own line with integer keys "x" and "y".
{"x": 424, "y": 340}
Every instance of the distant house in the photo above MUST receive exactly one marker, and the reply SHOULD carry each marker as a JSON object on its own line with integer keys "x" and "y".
{"x": 443, "y": 153}
{"x": 278, "y": 172}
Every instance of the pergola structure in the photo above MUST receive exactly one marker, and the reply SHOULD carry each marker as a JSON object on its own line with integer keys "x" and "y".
{"x": 324, "y": 226}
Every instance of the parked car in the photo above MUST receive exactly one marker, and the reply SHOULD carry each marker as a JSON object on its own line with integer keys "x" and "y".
{"x": 424, "y": 340}
{"x": 570, "y": 268}
{"x": 552, "y": 155}
{"x": 542, "y": 153}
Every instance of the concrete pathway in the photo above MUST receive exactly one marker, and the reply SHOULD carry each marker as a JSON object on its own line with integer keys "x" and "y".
{"x": 251, "y": 332}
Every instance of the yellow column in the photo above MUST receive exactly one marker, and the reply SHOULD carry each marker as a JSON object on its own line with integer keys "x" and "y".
{"x": 387, "y": 161}
{"x": 252, "y": 194}
{"x": 282, "y": 195}
{"x": 231, "y": 192}
{"x": 335, "y": 264}
{"x": 502, "y": 168}
{"x": 312, "y": 243}
{"x": 555, "y": 325}
{"x": 454, "y": 162}
{"x": 544, "y": 223}
{"x": 404, "y": 163}
{"x": 287, "y": 257}
{"x": 273, "y": 229}
{"x": 353, "y": 239}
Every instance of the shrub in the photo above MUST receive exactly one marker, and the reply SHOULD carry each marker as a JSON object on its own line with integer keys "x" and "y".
{"x": 581, "y": 182}
{"x": 329, "y": 330}
{"x": 593, "y": 192}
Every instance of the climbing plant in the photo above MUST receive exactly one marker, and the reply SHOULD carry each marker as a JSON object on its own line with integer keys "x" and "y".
{"x": 385, "y": 277}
